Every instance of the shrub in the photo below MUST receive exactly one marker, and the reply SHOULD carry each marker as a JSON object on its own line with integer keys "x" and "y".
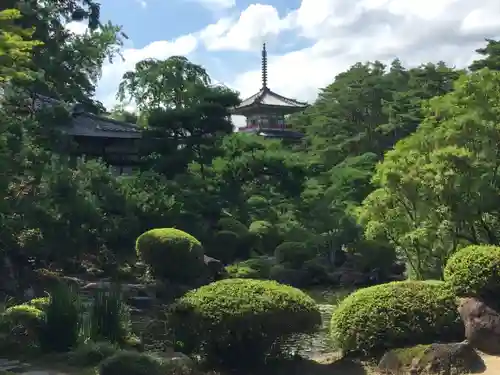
{"x": 241, "y": 321}
{"x": 293, "y": 253}
{"x": 284, "y": 274}
{"x": 62, "y": 324}
{"x": 396, "y": 314}
{"x": 232, "y": 225}
{"x": 266, "y": 236}
{"x": 131, "y": 363}
{"x": 224, "y": 246}
{"x": 92, "y": 353}
{"x": 40, "y": 303}
{"x": 475, "y": 271}
{"x": 27, "y": 317}
{"x": 171, "y": 253}
{"x": 253, "y": 268}
{"x": 109, "y": 317}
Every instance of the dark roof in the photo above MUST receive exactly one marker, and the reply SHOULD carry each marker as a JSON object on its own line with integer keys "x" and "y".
{"x": 90, "y": 125}
{"x": 267, "y": 98}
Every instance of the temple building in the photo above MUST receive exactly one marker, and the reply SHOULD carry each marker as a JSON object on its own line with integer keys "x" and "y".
{"x": 266, "y": 111}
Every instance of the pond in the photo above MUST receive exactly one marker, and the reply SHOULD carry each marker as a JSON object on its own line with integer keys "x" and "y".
{"x": 319, "y": 343}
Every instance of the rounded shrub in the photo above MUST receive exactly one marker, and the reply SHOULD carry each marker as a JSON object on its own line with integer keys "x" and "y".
{"x": 240, "y": 322}
{"x": 29, "y": 317}
{"x": 40, "y": 303}
{"x": 171, "y": 254}
{"x": 253, "y": 268}
{"x": 396, "y": 314}
{"x": 293, "y": 253}
{"x": 131, "y": 363}
{"x": 475, "y": 271}
{"x": 92, "y": 353}
{"x": 232, "y": 225}
{"x": 225, "y": 246}
{"x": 265, "y": 236}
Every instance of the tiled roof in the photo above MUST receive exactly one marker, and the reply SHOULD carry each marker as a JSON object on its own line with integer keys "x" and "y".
{"x": 266, "y": 97}
{"x": 90, "y": 125}
{"x": 87, "y": 124}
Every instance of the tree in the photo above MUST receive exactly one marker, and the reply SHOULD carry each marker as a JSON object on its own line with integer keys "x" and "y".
{"x": 437, "y": 188}
{"x": 491, "y": 56}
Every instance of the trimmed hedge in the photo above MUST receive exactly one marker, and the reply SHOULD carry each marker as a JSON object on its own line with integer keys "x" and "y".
{"x": 266, "y": 236}
{"x": 475, "y": 271}
{"x": 171, "y": 254}
{"x": 131, "y": 363}
{"x": 241, "y": 321}
{"x": 253, "y": 268}
{"x": 293, "y": 253}
{"x": 232, "y": 225}
{"x": 396, "y": 314}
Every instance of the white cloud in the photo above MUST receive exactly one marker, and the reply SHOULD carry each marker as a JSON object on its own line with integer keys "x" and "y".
{"x": 254, "y": 25}
{"x": 341, "y": 33}
{"x": 336, "y": 34}
{"x": 142, "y": 3}
{"x": 77, "y": 27}
{"x": 216, "y": 4}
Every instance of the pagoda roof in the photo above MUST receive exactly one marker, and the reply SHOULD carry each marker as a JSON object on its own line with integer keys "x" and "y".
{"x": 267, "y": 98}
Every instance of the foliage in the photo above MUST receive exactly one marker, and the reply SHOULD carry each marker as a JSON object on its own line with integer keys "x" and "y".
{"x": 61, "y": 328}
{"x": 451, "y": 158}
{"x": 240, "y": 321}
{"x": 293, "y": 253}
{"x": 397, "y": 314}
{"x": 26, "y": 316}
{"x": 475, "y": 271}
{"x": 40, "y": 303}
{"x": 109, "y": 317}
{"x": 171, "y": 253}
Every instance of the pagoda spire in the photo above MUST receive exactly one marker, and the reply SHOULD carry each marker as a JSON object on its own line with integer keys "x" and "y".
{"x": 264, "y": 67}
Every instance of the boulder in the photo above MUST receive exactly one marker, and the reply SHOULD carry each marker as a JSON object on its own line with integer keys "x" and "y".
{"x": 442, "y": 359}
{"x": 482, "y": 325}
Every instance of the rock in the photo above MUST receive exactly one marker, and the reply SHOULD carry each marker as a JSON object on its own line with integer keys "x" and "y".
{"x": 482, "y": 325}
{"x": 442, "y": 359}
{"x": 178, "y": 359}
{"x": 447, "y": 359}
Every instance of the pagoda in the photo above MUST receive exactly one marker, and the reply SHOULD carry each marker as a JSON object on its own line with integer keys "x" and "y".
{"x": 266, "y": 111}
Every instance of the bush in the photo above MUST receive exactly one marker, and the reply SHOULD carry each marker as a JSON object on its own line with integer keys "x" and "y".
{"x": 40, "y": 303}
{"x": 266, "y": 236}
{"x": 241, "y": 321}
{"x": 475, "y": 271}
{"x": 284, "y": 274}
{"x": 396, "y": 314}
{"x": 293, "y": 253}
{"x": 62, "y": 324}
{"x": 171, "y": 254}
{"x": 109, "y": 317}
{"x": 92, "y": 353}
{"x": 28, "y": 317}
{"x": 225, "y": 246}
{"x": 253, "y": 268}
{"x": 232, "y": 225}
{"x": 131, "y": 363}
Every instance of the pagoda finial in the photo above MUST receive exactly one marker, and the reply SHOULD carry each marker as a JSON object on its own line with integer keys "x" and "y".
{"x": 264, "y": 66}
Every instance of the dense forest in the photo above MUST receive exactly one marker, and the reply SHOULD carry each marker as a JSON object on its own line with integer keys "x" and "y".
{"x": 397, "y": 164}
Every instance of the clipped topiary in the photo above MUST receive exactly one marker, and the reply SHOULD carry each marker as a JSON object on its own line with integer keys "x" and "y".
{"x": 240, "y": 322}
{"x": 265, "y": 236}
{"x": 40, "y": 303}
{"x": 232, "y": 225}
{"x": 253, "y": 268}
{"x": 225, "y": 246}
{"x": 475, "y": 271}
{"x": 394, "y": 315}
{"x": 293, "y": 254}
{"x": 171, "y": 254}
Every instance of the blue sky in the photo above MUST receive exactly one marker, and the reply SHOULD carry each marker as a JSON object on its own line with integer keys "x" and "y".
{"x": 309, "y": 41}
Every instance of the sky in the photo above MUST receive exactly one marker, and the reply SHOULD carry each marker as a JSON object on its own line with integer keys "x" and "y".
{"x": 308, "y": 41}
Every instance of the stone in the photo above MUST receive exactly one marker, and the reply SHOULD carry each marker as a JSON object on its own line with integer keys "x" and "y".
{"x": 439, "y": 359}
{"x": 482, "y": 325}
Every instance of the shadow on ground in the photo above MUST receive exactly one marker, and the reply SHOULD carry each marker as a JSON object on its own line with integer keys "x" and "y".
{"x": 310, "y": 367}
